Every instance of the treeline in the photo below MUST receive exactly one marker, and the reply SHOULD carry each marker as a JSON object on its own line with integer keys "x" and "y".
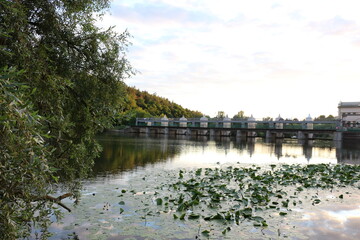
{"x": 141, "y": 104}
{"x": 324, "y": 118}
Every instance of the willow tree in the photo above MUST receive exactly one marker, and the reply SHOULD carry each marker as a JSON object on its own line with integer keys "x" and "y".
{"x": 61, "y": 83}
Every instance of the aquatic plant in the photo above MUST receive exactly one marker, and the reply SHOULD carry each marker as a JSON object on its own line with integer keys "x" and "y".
{"x": 236, "y": 202}
{"x": 233, "y": 195}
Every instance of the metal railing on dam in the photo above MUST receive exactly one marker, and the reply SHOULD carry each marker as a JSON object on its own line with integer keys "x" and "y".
{"x": 307, "y": 129}
{"x": 238, "y": 124}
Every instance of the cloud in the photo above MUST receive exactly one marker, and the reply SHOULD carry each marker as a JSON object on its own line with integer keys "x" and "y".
{"x": 289, "y": 75}
{"x": 159, "y": 13}
{"x": 356, "y": 43}
{"x": 275, "y": 5}
{"x": 335, "y": 26}
{"x": 296, "y": 15}
{"x": 197, "y": 49}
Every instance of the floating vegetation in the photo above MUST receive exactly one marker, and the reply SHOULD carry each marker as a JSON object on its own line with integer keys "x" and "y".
{"x": 234, "y": 195}
{"x": 216, "y": 203}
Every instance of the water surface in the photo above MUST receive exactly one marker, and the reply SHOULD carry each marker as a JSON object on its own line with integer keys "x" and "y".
{"x": 139, "y": 162}
{"x": 124, "y": 153}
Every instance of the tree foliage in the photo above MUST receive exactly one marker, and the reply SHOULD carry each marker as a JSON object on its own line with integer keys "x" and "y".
{"x": 24, "y": 168}
{"x": 240, "y": 115}
{"x": 68, "y": 89}
{"x": 143, "y": 104}
{"x": 324, "y": 118}
{"x": 220, "y": 114}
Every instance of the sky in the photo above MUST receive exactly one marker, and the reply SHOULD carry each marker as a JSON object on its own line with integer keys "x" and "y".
{"x": 263, "y": 57}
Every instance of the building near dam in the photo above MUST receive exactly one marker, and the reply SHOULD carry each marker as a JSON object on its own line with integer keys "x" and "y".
{"x": 349, "y": 113}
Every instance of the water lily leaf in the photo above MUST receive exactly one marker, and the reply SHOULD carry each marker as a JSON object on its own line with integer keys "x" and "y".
{"x": 206, "y": 233}
{"x": 256, "y": 224}
{"x": 285, "y": 203}
{"x": 181, "y": 175}
{"x": 258, "y": 219}
{"x": 218, "y": 216}
{"x": 182, "y": 217}
{"x": 159, "y": 201}
{"x": 226, "y": 230}
{"x": 193, "y": 216}
{"x": 246, "y": 212}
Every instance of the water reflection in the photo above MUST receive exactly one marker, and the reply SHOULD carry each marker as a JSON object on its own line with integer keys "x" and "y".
{"x": 338, "y": 221}
{"x": 348, "y": 152}
{"x": 129, "y": 152}
{"x": 122, "y": 153}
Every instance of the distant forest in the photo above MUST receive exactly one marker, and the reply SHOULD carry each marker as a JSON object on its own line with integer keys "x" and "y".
{"x": 141, "y": 104}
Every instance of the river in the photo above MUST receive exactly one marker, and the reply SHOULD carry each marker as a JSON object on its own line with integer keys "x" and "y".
{"x": 126, "y": 153}
{"x": 130, "y": 161}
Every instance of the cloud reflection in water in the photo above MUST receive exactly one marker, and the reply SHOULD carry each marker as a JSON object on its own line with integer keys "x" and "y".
{"x": 333, "y": 221}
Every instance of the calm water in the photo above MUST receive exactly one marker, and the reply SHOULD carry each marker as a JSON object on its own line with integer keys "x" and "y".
{"x": 133, "y": 161}
{"x": 128, "y": 153}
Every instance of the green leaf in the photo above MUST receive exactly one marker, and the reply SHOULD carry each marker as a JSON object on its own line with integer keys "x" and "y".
{"x": 206, "y": 233}
{"x": 182, "y": 217}
{"x": 193, "y": 216}
{"x": 181, "y": 174}
{"x": 218, "y": 216}
{"x": 256, "y": 224}
{"x": 258, "y": 219}
{"x": 159, "y": 201}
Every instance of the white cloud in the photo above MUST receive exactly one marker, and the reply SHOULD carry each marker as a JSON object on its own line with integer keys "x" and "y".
{"x": 264, "y": 57}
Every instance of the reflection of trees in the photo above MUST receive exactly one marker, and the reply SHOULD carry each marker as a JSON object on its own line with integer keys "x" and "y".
{"x": 126, "y": 153}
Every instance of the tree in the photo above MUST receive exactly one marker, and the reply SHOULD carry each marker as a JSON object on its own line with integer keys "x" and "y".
{"x": 320, "y": 118}
{"x": 240, "y": 115}
{"x": 220, "y": 114}
{"x": 23, "y": 167}
{"x": 267, "y": 119}
{"x": 142, "y": 104}
{"x": 67, "y": 87}
{"x": 323, "y": 118}
{"x": 330, "y": 118}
